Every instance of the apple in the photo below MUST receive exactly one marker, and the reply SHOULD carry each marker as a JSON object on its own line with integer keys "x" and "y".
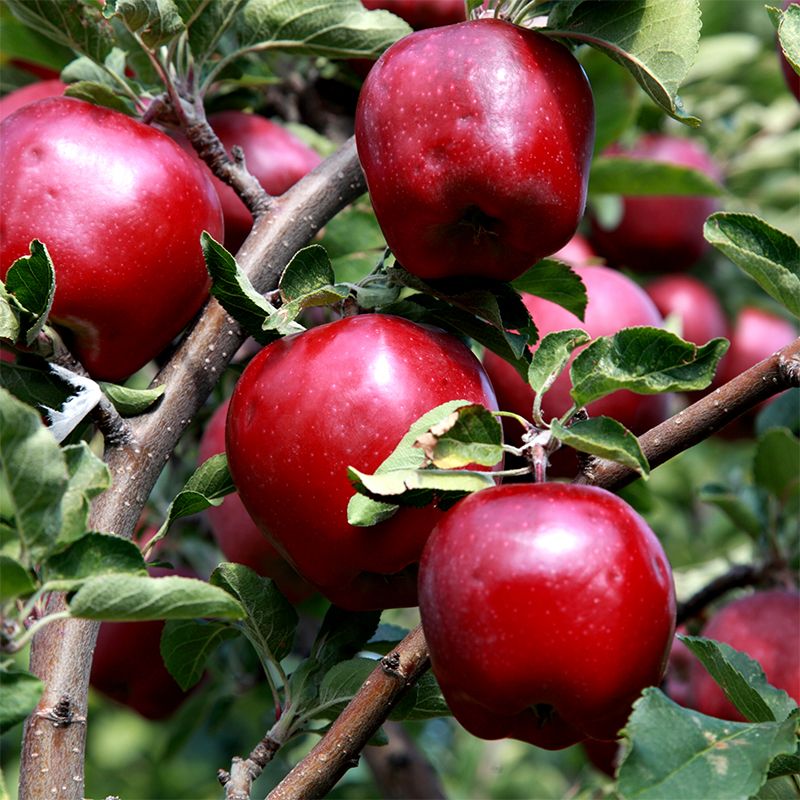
{"x": 577, "y": 252}
{"x": 121, "y": 208}
{"x": 602, "y": 755}
{"x": 765, "y": 626}
{"x": 342, "y": 394}
{"x": 276, "y": 157}
{"x": 676, "y": 681}
{"x": 236, "y": 534}
{"x": 423, "y": 13}
{"x": 614, "y": 302}
{"x": 547, "y": 608}
{"x": 476, "y": 140}
{"x": 27, "y": 94}
{"x": 694, "y": 304}
{"x": 659, "y": 233}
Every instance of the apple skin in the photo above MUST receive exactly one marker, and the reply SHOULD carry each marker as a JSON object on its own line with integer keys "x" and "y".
{"x": 312, "y": 404}
{"x": 237, "y": 536}
{"x": 577, "y": 252}
{"x": 121, "y": 208}
{"x": 615, "y": 302}
{"x": 476, "y": 140}
{"x": 697, "y": 307}
{"x": 765, "y": 626}
{"x": 545, "y": 594}
{"x": 28, "y": 94}
{"x": 423, "y": 13}
{"x": 277, "y": 158}
{"x": 660, "y": 233}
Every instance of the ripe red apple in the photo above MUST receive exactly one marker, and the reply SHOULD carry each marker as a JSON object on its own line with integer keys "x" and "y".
{"x": 476, "y": 140}
{"x": 765, "y": 625}
{"x": 236, "y": 534}
{"x": 423, "y": 13}
{"x": 310, "y": 405}
{"x": 277, "y": 158}
{"x": 676, "y": 681}
{"x": 547, "y": 608}
{"x": 121, "y": 208}
{"x": 28, "y": 94}
{"x": 577, "y": 252}
{"x": 697, "y": 307}
{"x": 615, "y": 302}
{"x": 659, "y": 233}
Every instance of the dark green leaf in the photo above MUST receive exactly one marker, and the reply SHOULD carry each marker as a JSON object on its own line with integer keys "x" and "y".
{"x": 88, "y": 477}
{"x": 100, "y": 95}
{"x": 623, "y": 175}
{"x": 343, "y": 634}
{"x": 186, "y": 646}
{"x": 35, "y": 387}
{"x": 19, "y": 694}
{"x": 15, "y": 580}
{"x": 424, "y": 700}
{"x": 342, "y": 681}
{"x": 155, "y": 21}
{"x": 605, "y": 438}
{"x": 781, "y": 412}
{"x": 551, "y": 356}
{"x": 555, "y": 281}
{"x": 130, "y": 402}
{"x": 775, "y": 466}
{"x": 23, "y": 42}
{"x": 32, "y": 281}
{"x": 308, "y": 271}
{"x": 785, "y": 765}
{"x": 469, "y": 435}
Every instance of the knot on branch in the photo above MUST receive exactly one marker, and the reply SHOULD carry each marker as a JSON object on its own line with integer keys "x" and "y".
{"x": 789, "y": 367}
{"x": 391, "y": 665}
{"x": 62, "y": 714}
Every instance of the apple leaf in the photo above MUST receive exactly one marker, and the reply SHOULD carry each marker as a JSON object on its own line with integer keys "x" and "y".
{"x": 20, "y": 695}
{"x": 342, "y": 634}
{"x": 154, "y": 22}
{"x": 92, "y": 555}
{"x": 780, "y": 412}
{"x": 742, "y": 679}
{"x": 551, "y": 356}
{"x": 386, "y": 637}
{"x": 775, "y": 463}
{"x": 789, "y": 36}
{"x": 34, "y": 474}
{"x": 88, "y": 477}
{"x": 340, "y": 684}
{"x": 786, "y": 765}
{"x": 32, "y": 281}
{"x": 270, "y": 620}
{"x": 643, "y": 360}
{"x": 329, "y": 28}
{"x": 124, "y": 597}
{"x": 769, "y": 256}
{"x": 15, "y": 580}
{"x": 605, "y": 438}
{"x": 85, "y": 395}
{"x": 734, "y": 506}
{"x": 675, "y": 752}
{"x": 557, "y": 282}
{"x": 656, "y": 40}
{"x": 187, "y": 644}
{"x": 623, "y": 175}
{"x": 23, "y": 42}
{"x": 100, "y": 95}
{"x": 35, "y": 387}
{"x": 469, "y": 435}
{"x": 424, "y": 700}
{"x": 130, "y": 402}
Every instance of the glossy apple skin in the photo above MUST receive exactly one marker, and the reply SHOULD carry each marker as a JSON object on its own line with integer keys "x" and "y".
{"x": 476, "y": 140}
{"x": 423, "y": 13}
{"x": 659, "y": 233}
{"x": 28, "y": 94}
{"x": 237, "y": 536}
{"x": 277, "y": 158}
{"x": 764, "y": 625}
{"x": 615, "y": 302}
{"x": 310, "y": 405}
{"x": 545, "y": 594}
{"x": 697, "y": 307}
{"x": 121, "y": 208}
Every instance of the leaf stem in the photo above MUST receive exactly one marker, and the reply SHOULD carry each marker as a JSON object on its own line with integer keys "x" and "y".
{"x": 18, "y": 644}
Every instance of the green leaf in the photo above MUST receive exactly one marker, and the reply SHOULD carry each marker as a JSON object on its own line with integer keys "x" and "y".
{"x": 32, "y": 281}
{"x": 88, "y": 477}
{"x": 130, "y": 402}
{"x": 19, "y": 695}
{"x": 789, "y": 36}
{"x": 155, "y": 21}
{"x": 15, "y": 580}
{"x": 734, "y": 507}
{"x": 469, "y": 435}
{"x": 35, "y": 387}
{"x": 35, "y": 475}
{"x": 551, "y": 356}
{"x": 742, "y": 679}
{"x": 605, "y": 438}
{"x": 186, "y": 646}
{"x": 270, "y": 619}
{"x": 775, "y": 463}
{"x": 235, "y": 292}
{"x": 342, "y": 681}
{"x": 656, "y": 40}
{"x": 674, "y": 752}
{"x": 330, "y": 28}
{"x": 93, "y": 555}
{"x": 9, "y": 315}
{"x": 781, "y": 412}
{"x": 21, "y": 41}
{"x": 342, "y": 634}
{"x": 134, "y": 597}
{"x": 769, "y": 256}
{"x": 628, "y": 176}
{"x": 785, "y": 765}
{"x": 557, "y": 282}
{"x": 354, "y": 230}
{"x": 424, "y": 700}
{"x": 643, "y": 360}
{"x": 99, "y": 94}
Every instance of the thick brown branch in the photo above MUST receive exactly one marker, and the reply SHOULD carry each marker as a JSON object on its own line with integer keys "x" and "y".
{"x": 339, "y": 749}
{"x": 52, "y": 757}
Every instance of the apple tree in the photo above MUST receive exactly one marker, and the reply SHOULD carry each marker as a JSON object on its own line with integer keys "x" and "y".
{"x": 402, "y": 410}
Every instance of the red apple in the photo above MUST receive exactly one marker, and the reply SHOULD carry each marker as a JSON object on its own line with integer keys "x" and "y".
{"x": 765, "y": 625}
{"x": 577, "y": 252}
{"x": 423, "y": 13}
{"x": 615, "y": 302}
{"x": 28, "y": 94}
{"x": 602, "y": 755}
{"x": 547, "y": 608}
{"x": 676, "y": 681}
{"x": 659, "y": 233}
{"x": 310, "y": 405}
{"x": 121, "y": 208}
{"x": 237, "y": 535}
{"x": 476, "y": 140}
{"x": 695, "y": 305}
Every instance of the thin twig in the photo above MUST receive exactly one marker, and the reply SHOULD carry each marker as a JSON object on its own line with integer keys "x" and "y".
{"x": 737, "y": 577}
